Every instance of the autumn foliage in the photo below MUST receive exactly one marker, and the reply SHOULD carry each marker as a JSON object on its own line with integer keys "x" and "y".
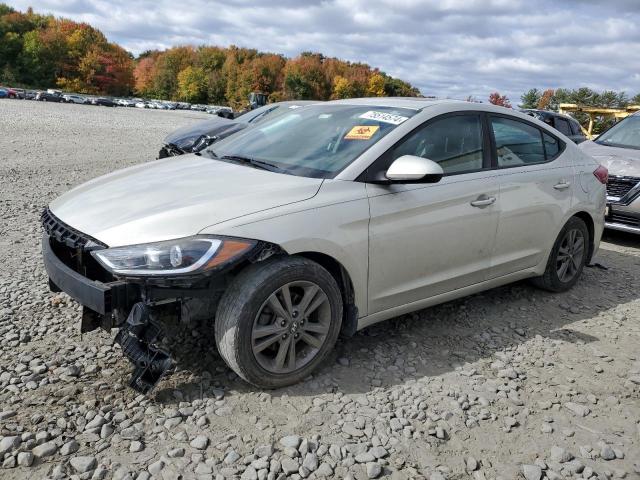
{"x": 227, "y": 75}
{"x": 42, "y": 51}
{"x": 501, "y": 100}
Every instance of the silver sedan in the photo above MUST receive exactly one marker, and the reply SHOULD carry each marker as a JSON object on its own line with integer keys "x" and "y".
{"x": 323, "y": 221}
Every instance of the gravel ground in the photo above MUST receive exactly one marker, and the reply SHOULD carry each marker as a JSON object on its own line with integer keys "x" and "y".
{"x": 512, "y": 383}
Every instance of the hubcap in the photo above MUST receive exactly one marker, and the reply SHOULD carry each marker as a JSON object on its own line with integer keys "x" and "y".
{"x": 570, "y": 255}
{"x": 291, "y": 327}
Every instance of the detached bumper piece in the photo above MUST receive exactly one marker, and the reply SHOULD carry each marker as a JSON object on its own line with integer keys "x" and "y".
{"x": 139, "y": 337}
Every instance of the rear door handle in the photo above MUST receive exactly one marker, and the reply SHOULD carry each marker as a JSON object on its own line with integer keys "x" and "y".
{"x": 562, "y": 185}
{"x": 483, "y": 201}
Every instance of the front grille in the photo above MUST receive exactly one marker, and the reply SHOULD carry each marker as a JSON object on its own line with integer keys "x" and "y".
{"x": 624, "y": 219}
{"x": 73, "y": 248}
{"x": 67, "y": 235}
{"x": 170, "y": 150}
{"x": 619, "y": 186}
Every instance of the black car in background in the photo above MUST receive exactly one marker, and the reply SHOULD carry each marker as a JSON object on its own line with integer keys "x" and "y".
{"x": 103, "y": 101}
{"x": 197, "y": 137}
{"x": 563, "y": 123}
{"x": 48, "y": 97}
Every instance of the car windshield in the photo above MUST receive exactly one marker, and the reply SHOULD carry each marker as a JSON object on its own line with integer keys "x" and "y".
{"x": 625, "y": 134}
{"x": 313, "y": 141}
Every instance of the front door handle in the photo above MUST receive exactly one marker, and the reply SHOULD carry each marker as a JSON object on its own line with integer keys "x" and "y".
{"x": 562, "y": 185}
{"x": 483, "y": 201}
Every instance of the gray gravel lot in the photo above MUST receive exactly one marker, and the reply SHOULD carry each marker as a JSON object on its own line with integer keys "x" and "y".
{"x": 512, "y": 383}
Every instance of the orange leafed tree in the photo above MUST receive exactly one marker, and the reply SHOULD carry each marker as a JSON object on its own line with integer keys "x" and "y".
{"x": 501, "y": 100}
{"x": 144, "y": 73}
{"x": 546, "y": 98}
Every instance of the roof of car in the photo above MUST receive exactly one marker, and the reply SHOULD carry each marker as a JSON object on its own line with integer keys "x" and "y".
{"x": 414, "y": 103}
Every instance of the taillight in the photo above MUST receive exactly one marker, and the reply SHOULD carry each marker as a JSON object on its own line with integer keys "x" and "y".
{"x": 602, "y": 174}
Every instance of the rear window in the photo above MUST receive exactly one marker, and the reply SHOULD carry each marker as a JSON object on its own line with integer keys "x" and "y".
{"x": 519, "y": 143}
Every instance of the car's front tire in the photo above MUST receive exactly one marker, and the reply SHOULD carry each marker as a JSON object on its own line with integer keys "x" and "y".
{"x": 278, "y": 320}
{"x": 567, "y": 259}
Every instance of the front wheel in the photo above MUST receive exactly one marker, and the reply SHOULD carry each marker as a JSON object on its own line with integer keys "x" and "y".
{"x": 567, "y": 259}
{"x": 278, "y": 320}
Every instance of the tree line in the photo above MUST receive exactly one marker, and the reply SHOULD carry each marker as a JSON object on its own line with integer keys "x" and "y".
{"x": 41, "y": 51}
{"x": 218, "y": 75}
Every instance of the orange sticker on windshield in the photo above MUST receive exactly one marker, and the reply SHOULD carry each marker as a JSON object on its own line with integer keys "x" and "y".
{"x": 362, "y": 132}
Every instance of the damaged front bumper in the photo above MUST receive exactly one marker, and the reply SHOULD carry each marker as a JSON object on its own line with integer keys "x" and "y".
{"x": 103, "y": 305}
{"x": 134, "y": 304}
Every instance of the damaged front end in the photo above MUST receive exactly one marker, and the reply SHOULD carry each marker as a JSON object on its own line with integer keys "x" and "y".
{"x": 140, "y": 337}
{"x": 135, "y": 289}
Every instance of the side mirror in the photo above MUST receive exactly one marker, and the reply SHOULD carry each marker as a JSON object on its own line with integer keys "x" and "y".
{"x": 413, "y": 169}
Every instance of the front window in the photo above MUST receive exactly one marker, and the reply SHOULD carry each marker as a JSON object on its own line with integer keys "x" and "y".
{"x": 625, "y": 134}
{"x": 313, "y": 141}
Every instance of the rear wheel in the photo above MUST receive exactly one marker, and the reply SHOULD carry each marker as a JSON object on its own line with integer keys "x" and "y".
{"x": 278, "y": 320}
{"x": 567, "y": 259}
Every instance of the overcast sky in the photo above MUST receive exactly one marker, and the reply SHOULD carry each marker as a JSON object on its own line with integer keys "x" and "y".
{"x": 449, "y": 48}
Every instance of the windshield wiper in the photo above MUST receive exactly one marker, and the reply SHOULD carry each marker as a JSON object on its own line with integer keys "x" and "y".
{"x": 253, "y": 162}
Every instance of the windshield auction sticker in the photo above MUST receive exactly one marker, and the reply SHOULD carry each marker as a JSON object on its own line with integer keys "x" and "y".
{"x": 361, "y": 132}
{"x": 384, "y": 117}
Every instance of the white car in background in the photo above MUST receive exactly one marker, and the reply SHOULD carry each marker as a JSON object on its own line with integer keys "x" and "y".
{"x": 618, "y": 149}
{"x": 326, "y": 219}
{"x": 72, "y": 98}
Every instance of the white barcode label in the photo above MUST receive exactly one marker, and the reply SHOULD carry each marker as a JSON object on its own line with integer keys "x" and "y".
{"x": 384, "y": 117}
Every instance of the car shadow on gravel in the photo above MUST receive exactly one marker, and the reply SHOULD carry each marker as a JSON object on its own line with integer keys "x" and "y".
{"x": 428, "y": 343}
{"x": 623, "y": 239}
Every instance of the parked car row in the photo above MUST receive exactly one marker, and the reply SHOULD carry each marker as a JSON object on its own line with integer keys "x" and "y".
{"x": 54, "y": 95}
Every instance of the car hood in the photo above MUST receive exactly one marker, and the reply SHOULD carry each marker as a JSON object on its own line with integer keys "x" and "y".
{"x": 174, "y": 197}
{"x": 619, "y": 161}
{"x": 216, "y": 126}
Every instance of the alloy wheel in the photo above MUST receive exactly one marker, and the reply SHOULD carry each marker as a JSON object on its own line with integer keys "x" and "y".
{"x": 570, "y": 255}
{"x": 291, "y": 327}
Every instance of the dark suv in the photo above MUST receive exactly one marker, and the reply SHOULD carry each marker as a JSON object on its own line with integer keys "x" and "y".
{"x": 48, "y": 97}
{"x": 565, "y": 124}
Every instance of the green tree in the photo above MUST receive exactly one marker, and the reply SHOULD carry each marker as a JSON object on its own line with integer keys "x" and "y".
{"x": 169, "y": 64}
{"x": 530, "y": 98}
{"x": 192, "y": 84}
{"x": 394, "y": 87}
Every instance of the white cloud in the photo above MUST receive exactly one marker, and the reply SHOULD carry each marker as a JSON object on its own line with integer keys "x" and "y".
{"x": 445, "y": 47}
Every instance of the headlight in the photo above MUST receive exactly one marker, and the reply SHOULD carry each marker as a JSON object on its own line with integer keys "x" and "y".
{"x": 173, "y": 257}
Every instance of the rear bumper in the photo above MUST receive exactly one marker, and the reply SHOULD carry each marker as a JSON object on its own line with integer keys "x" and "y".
{"x": 100, "y": 297}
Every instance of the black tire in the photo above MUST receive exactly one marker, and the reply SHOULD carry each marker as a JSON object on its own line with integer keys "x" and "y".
{"x": 551, "y": 279}
{"x": 243, "y": 304}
